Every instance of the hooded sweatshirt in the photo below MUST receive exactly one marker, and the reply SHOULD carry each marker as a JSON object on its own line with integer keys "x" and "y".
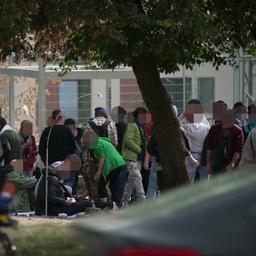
{"x": 104, "y": 148}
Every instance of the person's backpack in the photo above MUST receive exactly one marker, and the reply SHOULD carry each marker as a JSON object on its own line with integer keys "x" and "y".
{"x": 100, "y": 130}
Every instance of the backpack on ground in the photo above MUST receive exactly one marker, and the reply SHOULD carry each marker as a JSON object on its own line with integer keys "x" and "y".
{"x": 100, "y": 130}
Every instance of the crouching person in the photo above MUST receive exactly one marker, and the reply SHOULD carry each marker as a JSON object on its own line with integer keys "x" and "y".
{"x": 110, "y": 162}
{"x": 24, "y": 187}
{"x": 60, "y": 199}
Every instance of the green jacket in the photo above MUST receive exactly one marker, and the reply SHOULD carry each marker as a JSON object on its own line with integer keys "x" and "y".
{"x": 23, "y": 184}
{"x": 104, "y": 148}
{"x": 131, "y": 142}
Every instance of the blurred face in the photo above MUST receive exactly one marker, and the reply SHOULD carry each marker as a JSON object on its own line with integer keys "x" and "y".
{"x": 218, "y": 109}
{"x": 73, "y": 129}
{"x": 143, "y": 118}
{"x": 227, "y": 119}
{"x": 49, "y": 121}
{"x": 64, "y": 169}
{"x": 90, "y": 140}
{"x": 241, "y": 112}
{"x": 117, "y": 116}
{"x": 27, "y": 128}
{"x": 194, "y": 113}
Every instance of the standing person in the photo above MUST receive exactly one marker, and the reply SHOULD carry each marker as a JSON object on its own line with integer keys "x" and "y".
{"x": 224, "y": 145}
{"x": 248, "y": 158}
{"x": 10, "y": 143}
{"x": 103, "y": 127}
{"x": 152, "y": 161}
{"x": 251, "y": 123}
{"x": 183, "y": 118}
{"x": 130, "y": 151}
{"x": 28, "y": 147}
{"x": 61, "y": 141}
{"x": 218, "y": 109}
{"x": 72, "y": 181}
{"x": 118, "y": 114}
{"x": 109, "y": 162}
{"x": 195, "y": 131}
{"x": 239, "y": 113}
{"x": 140, "y": 115}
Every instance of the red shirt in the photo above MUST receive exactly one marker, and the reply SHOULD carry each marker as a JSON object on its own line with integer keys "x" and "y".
{"x": 29, "y": 155}
{"x": 234, "y": 143}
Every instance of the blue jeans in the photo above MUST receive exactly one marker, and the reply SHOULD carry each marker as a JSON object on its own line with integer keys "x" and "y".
{"x": 70, "y": 181}
{"x": 192, "y": 169}
{"x": 28, "y": 173}
{"x": 152, "y": 184}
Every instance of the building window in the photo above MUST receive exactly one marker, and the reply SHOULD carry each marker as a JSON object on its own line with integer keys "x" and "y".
{"x": 174, "y": 88}
{"x": 205, "y": 92}
{"x": 75, "y": 100}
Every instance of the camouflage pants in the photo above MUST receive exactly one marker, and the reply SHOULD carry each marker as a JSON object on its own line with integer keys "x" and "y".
{"x": 91, "y": 185}
{"x": 134, "y": 182}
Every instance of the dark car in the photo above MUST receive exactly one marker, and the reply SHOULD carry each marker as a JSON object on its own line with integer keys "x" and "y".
{"x": 215, "y": 218}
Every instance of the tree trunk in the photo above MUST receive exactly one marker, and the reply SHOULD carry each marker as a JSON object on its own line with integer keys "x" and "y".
{"x": 165, "y": 121}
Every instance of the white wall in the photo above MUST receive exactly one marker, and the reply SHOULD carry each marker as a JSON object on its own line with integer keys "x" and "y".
{"x": 115, "y": 92}
{"x": 98, "y": 85}
{"x": 223, "y": 81}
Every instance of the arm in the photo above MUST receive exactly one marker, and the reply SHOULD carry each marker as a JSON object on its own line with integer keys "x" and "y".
{"x": 132, "y": 139}
{"x": 195, "y": 162}
{"x": 100, "y": 167}
{"x": 54, "y": 188}
{"x": 239, "y": 143}
{"x": 6, "y": 149}
{"x": 112, "y": 133}
{"x": 146, "y": 160}
{"x": 34, "y": 147}
{"x": 208, "y": 161}
{"x": 43, "y": 144}
{"x": 233, "y": 162}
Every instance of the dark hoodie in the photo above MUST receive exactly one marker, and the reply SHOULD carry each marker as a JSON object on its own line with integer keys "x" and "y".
{"x": 57, "y": 194}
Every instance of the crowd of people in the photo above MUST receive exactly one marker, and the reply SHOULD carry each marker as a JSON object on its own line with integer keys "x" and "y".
{"x": 118, "y": 156}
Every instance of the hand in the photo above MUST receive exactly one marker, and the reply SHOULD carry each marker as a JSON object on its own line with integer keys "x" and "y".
{"x": 229, "y": 167}
{"x": 209, "y": 169}
{"x": 68, "y": 201}
{"x": 195, "y": 162}
{"x": 97, "y": 176}
{"x": 29, "y": 142}
{"x": 146, "y": 165}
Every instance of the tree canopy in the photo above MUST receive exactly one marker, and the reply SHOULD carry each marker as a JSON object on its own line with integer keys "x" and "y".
{"x": 111, "y": 32}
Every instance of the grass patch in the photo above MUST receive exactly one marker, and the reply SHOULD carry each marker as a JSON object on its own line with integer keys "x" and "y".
{"x": 46, "y": 239}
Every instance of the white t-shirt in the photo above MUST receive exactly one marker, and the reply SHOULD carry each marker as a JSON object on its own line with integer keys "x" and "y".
{"x": 249, "y": 150}
{"x": 195, "y": 134}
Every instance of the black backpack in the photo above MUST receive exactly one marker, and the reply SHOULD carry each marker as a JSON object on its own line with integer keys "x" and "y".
{"x": 100, "y": 130}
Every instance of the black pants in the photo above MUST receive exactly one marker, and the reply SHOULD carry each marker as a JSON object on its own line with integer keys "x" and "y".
{"x": 113, "y": 179}
{"x": 145, "y": 178}
{"x": 77, "y": 207}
